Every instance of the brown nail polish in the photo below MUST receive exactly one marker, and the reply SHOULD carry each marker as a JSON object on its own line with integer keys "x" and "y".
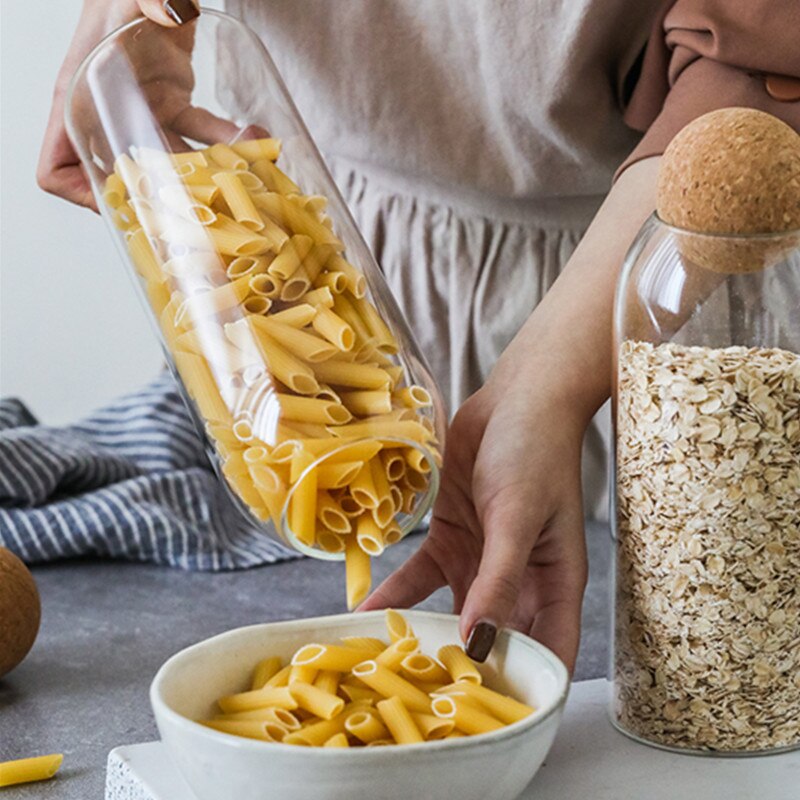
{"x": 480, "y": 641}
{"x": 181, "y": 11}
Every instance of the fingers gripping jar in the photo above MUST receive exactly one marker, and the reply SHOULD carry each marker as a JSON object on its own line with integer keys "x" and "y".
{"x": 314, "y": 402}
{"x": 707, "y": 471}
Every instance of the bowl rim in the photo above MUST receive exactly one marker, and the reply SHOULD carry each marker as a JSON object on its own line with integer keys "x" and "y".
{"x": 162, "y": 710}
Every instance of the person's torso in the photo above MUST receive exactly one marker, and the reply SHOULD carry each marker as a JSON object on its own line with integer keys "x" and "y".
{"x": 515, "y": 98}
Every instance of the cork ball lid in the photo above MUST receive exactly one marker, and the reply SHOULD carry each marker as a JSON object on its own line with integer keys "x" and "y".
{"x": 734, "y": 171}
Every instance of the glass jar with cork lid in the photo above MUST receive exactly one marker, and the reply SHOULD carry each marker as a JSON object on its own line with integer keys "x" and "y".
{"x": 707, "y": 459}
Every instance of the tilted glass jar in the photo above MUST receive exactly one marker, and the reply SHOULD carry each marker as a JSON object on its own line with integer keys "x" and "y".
{"x": 707, "y": 470}
{"x": 317, "y": 409}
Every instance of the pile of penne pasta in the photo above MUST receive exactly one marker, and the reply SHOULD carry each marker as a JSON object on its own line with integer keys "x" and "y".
{"x": 363, "y": 692}
{"x": 292, "y": 368}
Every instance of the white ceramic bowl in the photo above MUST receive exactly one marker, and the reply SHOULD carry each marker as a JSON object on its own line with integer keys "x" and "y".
{"x": 493, "y": 766}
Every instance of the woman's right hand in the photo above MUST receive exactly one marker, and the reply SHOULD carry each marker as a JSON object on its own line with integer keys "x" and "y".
{"x": 59, "y": 170}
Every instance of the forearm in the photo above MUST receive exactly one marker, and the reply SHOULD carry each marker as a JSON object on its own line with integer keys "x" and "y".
{"x": 564, "y": 350}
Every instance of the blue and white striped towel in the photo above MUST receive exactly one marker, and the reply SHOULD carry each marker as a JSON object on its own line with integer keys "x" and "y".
{"x": 131, "y": 481}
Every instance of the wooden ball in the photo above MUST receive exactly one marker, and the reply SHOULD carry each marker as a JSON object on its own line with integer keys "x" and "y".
{"x": 20, "y": 611}
{"x": 732, "y": 171}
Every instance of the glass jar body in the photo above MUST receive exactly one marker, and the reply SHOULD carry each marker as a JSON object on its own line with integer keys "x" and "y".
{"x": 317, "y": 409}
{"x": 706, "y": 519}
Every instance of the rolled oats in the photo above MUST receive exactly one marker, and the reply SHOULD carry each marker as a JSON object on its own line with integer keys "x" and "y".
{"x": 707, "y": 639}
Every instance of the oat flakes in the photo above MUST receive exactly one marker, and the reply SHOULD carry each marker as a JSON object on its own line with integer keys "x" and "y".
{"x": 707, "y": 639}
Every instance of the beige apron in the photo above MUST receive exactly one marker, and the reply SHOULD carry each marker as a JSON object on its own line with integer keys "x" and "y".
{"x": 473, "y": 141}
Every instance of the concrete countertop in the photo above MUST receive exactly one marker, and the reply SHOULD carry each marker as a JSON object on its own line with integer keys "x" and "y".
{"x": 108, "y": 626}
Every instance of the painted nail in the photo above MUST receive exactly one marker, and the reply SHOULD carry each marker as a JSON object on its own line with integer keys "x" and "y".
{"x": 480, "y": 641}
{"x": 181, "y": 11}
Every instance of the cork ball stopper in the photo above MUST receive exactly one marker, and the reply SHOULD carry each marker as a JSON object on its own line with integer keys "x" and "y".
{"x": 735, "y": 171}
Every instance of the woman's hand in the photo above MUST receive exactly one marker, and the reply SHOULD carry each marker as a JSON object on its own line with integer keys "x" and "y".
{"x": 59, "y": 170}
{"x": 507, "y": 527}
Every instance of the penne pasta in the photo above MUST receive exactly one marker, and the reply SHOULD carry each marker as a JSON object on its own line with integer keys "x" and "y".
{"x": 368, "y": 403}
{"x": 371, "y": 643}
{"x": 298, "y": 220}
{"x": 432, "y": 727}
{"x": 398, "y": 720}
{"x": 357, "y": 376}
{"x": 359, "y": 693}
{"x": 356, "y": 283}
{"x": 225, "y": 156}
{"x": 366, "y": 726}
{"x": 250, "y": 729}
{"x": 389, "y": 684}
{"x": 350, "y": 694}
{"x": 337, "y": 740}
{"x": 267, "y": 696}
{"x": 378, "y": 330}
{"x": 295, "y": 317}
{"x": 265, "y": 670}
{"x": 358, "y": 577}
{"x": 144, "y": 257}
{"x": 331, "y": 657}
{"x": 333, "y": 328}
{"x": 330, "y": 542}
{"x": 277, "y": 716}
{"x": 29, "y": 770}
{"x": 335, "y": 476}
{"x": 458, "y": 664}
{"x": 178, "y": 199}
{"x": 419, "y": 667}
{"x": 318, "y": 702}
{"x": 238, "y": 199}
{"x": 505, "y": 708}
{"x": 273, "y": 178}
{"x": 392, "y": 657}
{"x": 369, "y": 535}
{"x": 291, "y": 256}
{"x": 114, "y": 191}
{"x": 335, "y": 281}
{"x": 301, "y": 344}
{"x": 296, "y": 286}
{"x": 328, "y": 681}
{"x": 397, "y": 626}
{"x": 413, "y": 397}
{"x": 319, "y": 297}
{"x": 266, "y": 285}
{"x": 330, "y": 514}
{"x": 280, "y": 678}
{"x": 303, "y": 502}
{"x": 255, "y": 149}
{"x": 466, "y": 717}
{"x": 202, "y": 388}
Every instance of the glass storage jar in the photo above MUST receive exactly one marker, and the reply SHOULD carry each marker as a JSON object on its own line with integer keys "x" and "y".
{"x": 707, "y": 471}
{"x": 317, "y": 409}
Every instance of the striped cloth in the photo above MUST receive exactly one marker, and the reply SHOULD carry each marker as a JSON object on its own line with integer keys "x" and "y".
{"x": 131, "y": 481}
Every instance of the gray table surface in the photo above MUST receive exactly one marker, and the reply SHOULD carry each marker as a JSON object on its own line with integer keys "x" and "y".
{"x": 108, "y": 626}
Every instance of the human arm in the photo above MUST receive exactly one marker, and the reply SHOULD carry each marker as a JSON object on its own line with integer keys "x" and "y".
{"x": 507, "y": 527}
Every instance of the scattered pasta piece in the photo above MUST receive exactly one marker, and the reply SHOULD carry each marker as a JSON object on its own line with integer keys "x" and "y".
{"x": 28, "y": 770}
{"x": 364, "y": 692}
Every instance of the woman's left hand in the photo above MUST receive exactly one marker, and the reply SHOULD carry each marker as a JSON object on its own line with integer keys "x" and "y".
{"x": 507, "y": 529}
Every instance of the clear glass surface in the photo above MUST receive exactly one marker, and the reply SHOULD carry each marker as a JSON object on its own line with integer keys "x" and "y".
{"x": 315, "y": 404}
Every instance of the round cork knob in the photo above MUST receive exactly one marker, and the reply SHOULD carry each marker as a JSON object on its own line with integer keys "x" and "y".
{"x": 735, "y": 171}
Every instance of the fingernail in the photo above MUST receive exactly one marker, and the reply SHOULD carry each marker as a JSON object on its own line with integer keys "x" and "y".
{"x": 480, "y": 641}
{"x": 181, "y": 11}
